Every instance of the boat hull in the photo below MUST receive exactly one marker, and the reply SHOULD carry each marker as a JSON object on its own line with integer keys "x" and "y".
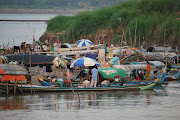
{"x": 3, "y": 87}
{"x": 27, "y": 88}
{"x": 172, "y": 77}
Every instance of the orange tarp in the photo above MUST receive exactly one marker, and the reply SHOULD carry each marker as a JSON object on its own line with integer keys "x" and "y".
{"x": 13, "y": 77}
{"x": 20, "y": 77}
{"x": 2, "y": 71}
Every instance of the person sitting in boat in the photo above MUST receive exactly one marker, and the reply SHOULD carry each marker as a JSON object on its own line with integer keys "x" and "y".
{"x": 70, "y": 76}
{"x": 94, "y": 73}
{"x": 148, "y": 69}
{"x": 133, "y": 74}
{"x": 89, "y": 73}
{"x": 115, "y": 60}
{"x": 141, "y": 75}
{"x": 137, "y": 76}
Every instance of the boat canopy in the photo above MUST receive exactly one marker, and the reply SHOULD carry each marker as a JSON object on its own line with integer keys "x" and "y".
{"x": 154, "y": 63}
{"x": 129, "y": 68}
{"x": 13, "y": 78}
{"x": 111, "y": 72}
{"x": 11, "y": 69}
{"x": 35, "y": 59}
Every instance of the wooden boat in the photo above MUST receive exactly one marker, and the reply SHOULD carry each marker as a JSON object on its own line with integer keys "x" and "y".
{"x": 44, "y": 83}
{"x": 35, "y": 88}
{"x": 14, "y": 73}
{"x": 130, "y": 83}
{"x": 80, "y": 87}
{"x": 174, "y": 74}
{"x": 3, "y": 87}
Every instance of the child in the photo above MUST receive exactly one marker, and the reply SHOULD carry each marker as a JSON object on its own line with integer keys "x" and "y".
{"x": 137, "y": 77}
{"x": 141, "y": 75}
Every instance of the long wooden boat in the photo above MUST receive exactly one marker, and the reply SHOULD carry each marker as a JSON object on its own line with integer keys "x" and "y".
{"x": 125, "y": 87}
{"x": 35, "y": 88}
{"x": 131, "y": 83}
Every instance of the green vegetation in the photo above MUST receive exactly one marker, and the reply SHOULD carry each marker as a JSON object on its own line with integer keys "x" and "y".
{"x": 151, "y": 19}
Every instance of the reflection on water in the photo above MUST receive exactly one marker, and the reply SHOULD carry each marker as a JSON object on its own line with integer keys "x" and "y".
{"x": 159, "y": 104}
{"x": 73, "y": 101}
{"x": 12, "y": 103}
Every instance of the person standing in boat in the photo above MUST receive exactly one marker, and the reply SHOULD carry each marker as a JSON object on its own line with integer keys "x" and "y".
{"x": 94, "y": 73}
{"x": 148, "y": 69}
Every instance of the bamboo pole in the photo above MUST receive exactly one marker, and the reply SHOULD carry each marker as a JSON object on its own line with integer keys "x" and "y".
{"x": 12, "y": 59}
{"x": 121, "y": 45}
{"x": 164, "y": 34}
{"x": 74, "y": 53}
{"x": 7, "y": 91}
{"x": 139, "y": 42}
{"x": 135, "y": 34}
{"x": 130, "y": 37}
{"x": 15, "y": 87}
{"x": 30, "y": 70}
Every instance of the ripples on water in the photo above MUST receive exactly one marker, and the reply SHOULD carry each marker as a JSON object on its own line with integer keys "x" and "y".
{"x": 144, "y": 105}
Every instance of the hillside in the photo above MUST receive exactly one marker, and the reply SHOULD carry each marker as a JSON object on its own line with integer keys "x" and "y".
{"x": 152, "y": 21}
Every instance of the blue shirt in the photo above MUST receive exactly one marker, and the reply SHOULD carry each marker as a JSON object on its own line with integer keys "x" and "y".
{"x": 114, "y": 60}
{"x": 94, "y": 73}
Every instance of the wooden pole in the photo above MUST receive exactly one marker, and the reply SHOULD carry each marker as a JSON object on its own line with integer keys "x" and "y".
{"x": 7, "y": 91}
{"x": 139, "y": 42}
{"x": 33, "y": 36}
{"x": 130, "y": 37}
{"x": 121, "y": 45}
{"x": 164, "y": 34}
{"x": 15, "y": 87}
{"x": 135, "y": 34}
{"x": 30, "y": 70}
{"x": 12, "y": 59}
{"x": 74, "y": 53}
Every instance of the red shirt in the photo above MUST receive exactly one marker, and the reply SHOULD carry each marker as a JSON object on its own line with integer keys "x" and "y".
{"x": 137, "y": 77}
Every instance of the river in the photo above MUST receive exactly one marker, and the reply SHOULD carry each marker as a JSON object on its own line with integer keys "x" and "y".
{"x": 158, "y": 104}
{"x": 16, "y": 32}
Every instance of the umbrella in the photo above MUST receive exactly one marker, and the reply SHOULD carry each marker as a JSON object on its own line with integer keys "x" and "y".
{"x": 84, "y": 42}
{"x": 85, "y": 61}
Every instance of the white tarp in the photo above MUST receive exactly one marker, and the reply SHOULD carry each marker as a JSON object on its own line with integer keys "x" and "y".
{"x": 129, "y": 68}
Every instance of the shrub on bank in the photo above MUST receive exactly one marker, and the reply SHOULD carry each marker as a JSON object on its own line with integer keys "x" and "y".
{"x": 150, "y": 17}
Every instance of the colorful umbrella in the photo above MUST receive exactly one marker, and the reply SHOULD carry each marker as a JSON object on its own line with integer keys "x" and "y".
{"x": 84, "y": 42}
{"x": 85, "y": 61}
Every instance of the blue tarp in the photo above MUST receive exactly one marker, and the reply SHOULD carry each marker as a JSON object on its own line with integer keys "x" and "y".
{"x": 91, "y": 55}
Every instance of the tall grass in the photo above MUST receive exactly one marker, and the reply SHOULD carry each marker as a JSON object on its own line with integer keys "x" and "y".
{"x": 151, "y": 17}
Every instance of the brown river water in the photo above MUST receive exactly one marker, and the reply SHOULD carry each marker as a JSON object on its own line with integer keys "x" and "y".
{"x": 158, "y": 104}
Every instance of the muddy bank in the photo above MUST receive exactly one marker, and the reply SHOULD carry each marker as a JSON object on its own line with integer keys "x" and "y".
{"x": 106, "y": 36}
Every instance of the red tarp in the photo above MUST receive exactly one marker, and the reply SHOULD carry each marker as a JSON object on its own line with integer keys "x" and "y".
{"x": 2, "y": 71}
{"x": 13, "y": 78}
